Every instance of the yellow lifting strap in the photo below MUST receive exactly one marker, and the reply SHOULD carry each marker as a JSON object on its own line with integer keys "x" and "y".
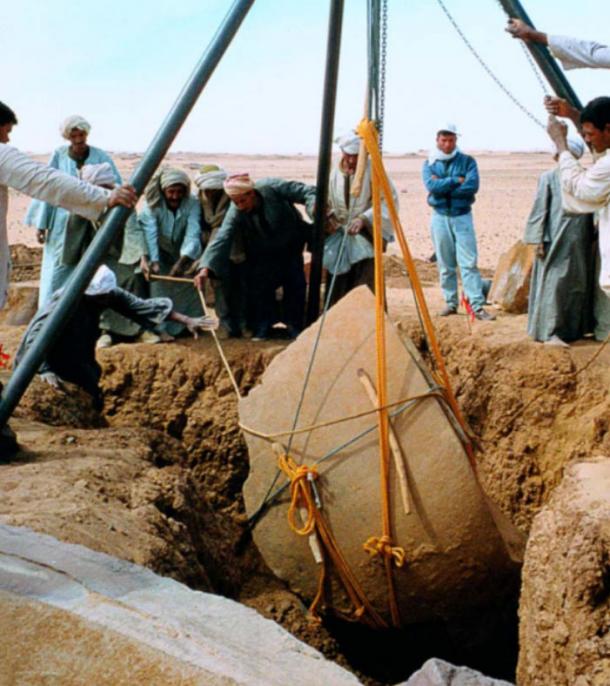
{"x": 366, "y": 130}
{"x": 302, "y": 497}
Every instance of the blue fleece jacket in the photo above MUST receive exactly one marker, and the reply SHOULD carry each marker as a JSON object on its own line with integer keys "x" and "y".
{"x": 445, "y": 193}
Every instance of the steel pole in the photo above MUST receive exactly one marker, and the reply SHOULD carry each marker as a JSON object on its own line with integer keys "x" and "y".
{"x": 547, "y": 63}
{"x": 333, "y": 51}
{"x": 116, "y": 218}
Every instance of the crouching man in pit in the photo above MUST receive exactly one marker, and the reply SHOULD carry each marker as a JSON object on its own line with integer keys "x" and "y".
{"x": 72, "y": 356}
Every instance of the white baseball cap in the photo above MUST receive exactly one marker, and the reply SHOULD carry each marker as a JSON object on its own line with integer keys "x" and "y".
{"x": 448, "y": 127}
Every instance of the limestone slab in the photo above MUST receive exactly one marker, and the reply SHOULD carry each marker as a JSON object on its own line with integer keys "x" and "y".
{"x": 511, "y": 283}
{"x": 71, "y": 616}
{"x": 437, "y": 672}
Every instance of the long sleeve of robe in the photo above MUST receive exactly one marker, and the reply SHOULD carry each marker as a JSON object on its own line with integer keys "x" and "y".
{"x": 20, "y": 172}
{"x": 536, "y": 230}
{"x": 357, "y": 247}
{"x": 577, "y": 54}
{"x": 175, "y": 234}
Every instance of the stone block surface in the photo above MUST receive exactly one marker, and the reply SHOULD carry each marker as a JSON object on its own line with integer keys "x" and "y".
{"x": 437, "y": 672}
{"x": 565, "y": 597}
{"x": 71, "y": 616}
{"x": 511, "y": 283}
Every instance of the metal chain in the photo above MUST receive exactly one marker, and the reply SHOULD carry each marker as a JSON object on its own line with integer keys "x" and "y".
{"x": 535, "y": 68}
{"x": 382, "y": 76}
{"x": 483, "y": 64}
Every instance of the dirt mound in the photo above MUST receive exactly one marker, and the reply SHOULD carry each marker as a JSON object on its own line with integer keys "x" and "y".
{"x": 532, "y": 407}
{"x": 101, "y": 488}
{"x": 66, "y": 406}
{"x": 26, "y": 262}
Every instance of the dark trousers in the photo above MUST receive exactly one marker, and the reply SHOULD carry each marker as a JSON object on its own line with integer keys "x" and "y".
{"x": 361, "y": 274}
{"x": 230, "y": 299}
{"x": 263, "y": 277}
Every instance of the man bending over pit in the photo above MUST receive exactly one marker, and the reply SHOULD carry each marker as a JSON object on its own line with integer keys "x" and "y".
{"x": 72, "y": 356}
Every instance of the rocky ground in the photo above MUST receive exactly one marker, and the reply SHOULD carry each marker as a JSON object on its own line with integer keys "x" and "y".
{"x": 157, "y": 478}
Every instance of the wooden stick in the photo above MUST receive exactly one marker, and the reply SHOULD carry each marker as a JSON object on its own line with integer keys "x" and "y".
{"x": 173, "y": 279}
{"x": 393, "y": 441}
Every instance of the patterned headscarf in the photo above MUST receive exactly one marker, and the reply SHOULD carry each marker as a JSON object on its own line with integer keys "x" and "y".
{"x": 238, "y": 184}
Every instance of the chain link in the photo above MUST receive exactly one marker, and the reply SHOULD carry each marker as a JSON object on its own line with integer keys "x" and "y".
{"x": 382, "y": 76}
{"x": 496, "y": 80}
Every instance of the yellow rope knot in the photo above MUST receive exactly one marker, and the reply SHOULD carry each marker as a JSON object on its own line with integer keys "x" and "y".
{"x": 383, "y": 547}
{"x": 301, "y": 495}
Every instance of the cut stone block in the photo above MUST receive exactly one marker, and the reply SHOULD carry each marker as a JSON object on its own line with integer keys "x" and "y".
{"x": 71, "y": 616}
{"x": 564, "y": 609}
{"x": 511, "y": 284}
{"x": 455, "y": 555}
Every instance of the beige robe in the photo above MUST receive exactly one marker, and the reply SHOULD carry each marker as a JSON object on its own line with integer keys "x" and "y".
{"x": 20, "y": 172}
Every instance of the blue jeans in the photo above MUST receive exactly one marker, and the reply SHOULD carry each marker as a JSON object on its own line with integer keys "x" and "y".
{"x": 456, "y": 246}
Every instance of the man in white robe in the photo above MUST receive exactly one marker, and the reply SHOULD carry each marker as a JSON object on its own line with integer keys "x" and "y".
{"x": 588, "y": 190}
{"x": 573, "y": 53}
{"x": 349, "y": 259}
{"x": 20, "y": 172}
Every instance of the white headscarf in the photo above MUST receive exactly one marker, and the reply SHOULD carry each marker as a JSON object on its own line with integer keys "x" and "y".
{"x": 173, "y": 176}
{"x": 98, "y": 174}
{"x": 210, "y": 178}
{"x": 103, "y": 281}
{"x": 349, "y": 143}
{"x": 75, "y": 121}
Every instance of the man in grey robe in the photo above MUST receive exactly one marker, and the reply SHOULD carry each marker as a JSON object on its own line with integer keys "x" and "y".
{"x": 561, "y": 289}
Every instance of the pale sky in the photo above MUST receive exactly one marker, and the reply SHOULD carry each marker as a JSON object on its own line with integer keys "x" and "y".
{"x": 121, "y": 65}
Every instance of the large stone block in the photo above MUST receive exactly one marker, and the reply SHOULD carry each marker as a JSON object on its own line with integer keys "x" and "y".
{"x": 511, "y": 284}
{"x": 565, "y": 598}
{"x": 454, "y": 552}
{"x": 71, "y": 616}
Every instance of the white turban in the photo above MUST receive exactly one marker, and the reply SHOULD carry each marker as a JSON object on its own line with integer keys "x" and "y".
{"x": 103, "y": 281}
{"x": 98, "y": 174}
{"x": 172, "y": 176}
{"x": 74, "y": 122}
{"x": 210, "y": 178}
{"x": 576, "y": 147}
{"x": 349, "y": 143}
